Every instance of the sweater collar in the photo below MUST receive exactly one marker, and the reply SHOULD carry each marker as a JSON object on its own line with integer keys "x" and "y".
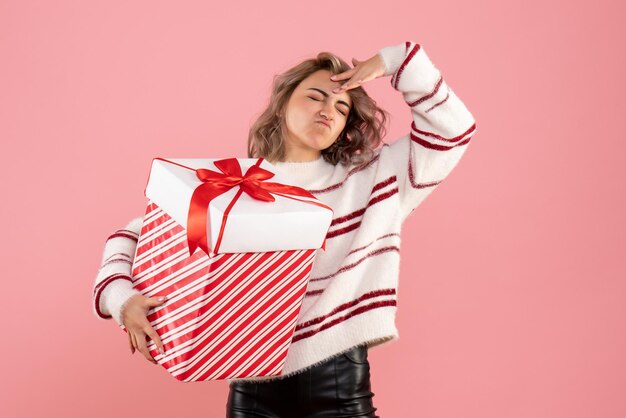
{"x": 305, "y": 173}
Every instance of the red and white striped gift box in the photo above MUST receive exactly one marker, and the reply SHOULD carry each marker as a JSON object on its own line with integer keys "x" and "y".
{"x": 231, "y": 315}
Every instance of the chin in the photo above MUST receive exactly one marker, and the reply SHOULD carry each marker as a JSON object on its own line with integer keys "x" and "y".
{"x": 320, "y": 143}
{"x": 318, "y": 146}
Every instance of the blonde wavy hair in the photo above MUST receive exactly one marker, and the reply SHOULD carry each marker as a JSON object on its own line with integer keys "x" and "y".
{"x": 363, "y": 133}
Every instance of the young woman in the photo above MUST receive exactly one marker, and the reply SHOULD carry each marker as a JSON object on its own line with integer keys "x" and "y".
{"x": 323, "y": 129}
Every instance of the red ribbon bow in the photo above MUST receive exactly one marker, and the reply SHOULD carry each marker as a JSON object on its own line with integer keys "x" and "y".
{"x": 214, "y": 184}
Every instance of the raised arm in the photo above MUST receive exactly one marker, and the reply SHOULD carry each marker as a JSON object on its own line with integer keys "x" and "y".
{"x": 113, "y": 285}
{"x": 440, "y": 131}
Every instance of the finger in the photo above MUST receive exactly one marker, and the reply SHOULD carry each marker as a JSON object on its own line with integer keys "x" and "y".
{"x": 154, "y": 336}
{"x": 354, "y": 82}
{"x": 134, "y": 340}
{"x": 155, "y": 301}
{"x": 348, "y": 73}
{"x": 130, "y": 342}
{"x": 143, "y": 347}
{"x": 344, "y": 75}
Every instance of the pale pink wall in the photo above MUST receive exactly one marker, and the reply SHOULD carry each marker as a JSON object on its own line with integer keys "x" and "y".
{"x": 512, "y": 297}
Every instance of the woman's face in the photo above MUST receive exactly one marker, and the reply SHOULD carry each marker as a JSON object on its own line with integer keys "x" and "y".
{"x": 315, "y": 116}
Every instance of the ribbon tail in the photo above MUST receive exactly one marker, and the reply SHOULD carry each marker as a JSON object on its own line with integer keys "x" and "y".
{"x": 197, "y": 217}
{"x": 191, "y": 244}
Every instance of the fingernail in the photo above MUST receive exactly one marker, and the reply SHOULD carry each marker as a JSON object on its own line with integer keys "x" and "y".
{"x": 333, "y": 77}
{"x": 162, "y": 298}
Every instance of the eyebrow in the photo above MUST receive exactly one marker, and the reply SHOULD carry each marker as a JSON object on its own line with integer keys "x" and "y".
{"x": 326, "y": 95}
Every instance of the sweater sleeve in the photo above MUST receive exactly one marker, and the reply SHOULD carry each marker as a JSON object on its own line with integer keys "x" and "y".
{"x": 440, "y": 131}
{"x": 113, "y": 285}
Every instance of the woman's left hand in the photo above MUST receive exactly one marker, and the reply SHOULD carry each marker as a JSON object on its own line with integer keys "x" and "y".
{"x": 363, "y": 71}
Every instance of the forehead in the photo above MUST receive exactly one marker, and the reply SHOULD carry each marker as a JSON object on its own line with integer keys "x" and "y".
{"x": 321, "y": 79}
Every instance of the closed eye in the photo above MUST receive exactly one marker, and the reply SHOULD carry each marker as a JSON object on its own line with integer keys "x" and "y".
{"x": 317, "y": 100}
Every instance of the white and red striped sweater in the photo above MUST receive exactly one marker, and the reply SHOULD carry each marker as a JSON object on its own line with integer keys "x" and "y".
{"x": 352, "y": 292}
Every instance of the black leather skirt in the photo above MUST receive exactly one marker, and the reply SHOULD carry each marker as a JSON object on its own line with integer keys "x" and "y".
{"x": 338, "y": 387}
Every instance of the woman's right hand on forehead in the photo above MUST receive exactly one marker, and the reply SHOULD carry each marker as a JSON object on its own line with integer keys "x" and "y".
{"x": 363, "y": 71}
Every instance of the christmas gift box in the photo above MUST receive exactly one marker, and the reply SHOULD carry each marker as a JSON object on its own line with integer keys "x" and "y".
{"x": 233, "y": 253}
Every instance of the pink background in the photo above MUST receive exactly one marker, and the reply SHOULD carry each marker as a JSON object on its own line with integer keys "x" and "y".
{"x": 512, "y": 297}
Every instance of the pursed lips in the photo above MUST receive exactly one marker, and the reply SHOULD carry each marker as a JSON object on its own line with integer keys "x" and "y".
{"x": 324, "y": 123}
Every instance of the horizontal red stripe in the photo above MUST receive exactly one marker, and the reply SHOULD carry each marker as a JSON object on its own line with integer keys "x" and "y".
{"x": 429, "y": 95}
{"x": 438, "y": 103}
{"x": 356, "y": 263}
{"x": 100, "y": 287}
{"x": 352, "y": 227}
{"x": 350, "y": 173}
{"x": 348, "y": 217}
{"x": 394, "y": 234}
{"x": 361, "y": 211}
{"x": 343, "y": 230}
{"x": 118, "y": 254}
{"x": 345, "y": 306}
{"x": 434, "y": 135}
{"x": 319, "y": 291}
{"x": 314, "y": 292}
{"x": 120, "y": 234}
{"x": 117, "y": 260}
{"x": 382, "y": 197}
{"x": 383, "y": 183}
{"x": 108, "y": 279}
{"x": 437, "y": 147}
{"x": 337, "y": 321}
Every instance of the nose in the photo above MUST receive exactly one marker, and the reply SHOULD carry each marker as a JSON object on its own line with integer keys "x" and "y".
{"x": 327, "y": 111}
